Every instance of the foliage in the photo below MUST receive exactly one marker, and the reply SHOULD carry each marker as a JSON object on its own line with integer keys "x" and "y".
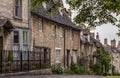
{"x": 57, "y": 69}
{"x": 103, "y": 63}
{"x": 10, "y": 56}
{"x": 78, "y": 69}
{"x": 112, "y": 77}
{"x": 92, "y": 12}
{"x": 68, "y": 71}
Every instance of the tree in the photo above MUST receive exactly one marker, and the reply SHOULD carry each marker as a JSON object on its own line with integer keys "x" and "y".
{"x": 92, "y": 12}
{"x": 103, "y": 62}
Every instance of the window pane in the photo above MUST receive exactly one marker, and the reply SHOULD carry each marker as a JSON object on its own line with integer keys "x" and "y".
{"x": 24, "y": 36}
{"x": 54, "y": 30}
{"x": 16, "y": 37}
{"x": 40, "y": 25}
{"x": 18, "y": 8}
{"x": 57, "y": 56}
{"x": 62, "y": 32}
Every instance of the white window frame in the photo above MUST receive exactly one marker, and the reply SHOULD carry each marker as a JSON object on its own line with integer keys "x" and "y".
{"x": 57, "y": 54}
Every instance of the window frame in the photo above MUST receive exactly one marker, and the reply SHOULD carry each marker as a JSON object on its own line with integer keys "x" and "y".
{"x": 71, "y": 34}
{"x": 62, "y": 32}
{"x": 54, "y": 30}
{"x": 40, "y": 25}
{"x": 18, "y": 9}
{"x": 57, "y": 56}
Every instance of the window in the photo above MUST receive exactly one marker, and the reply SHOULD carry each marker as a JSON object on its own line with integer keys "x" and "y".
{"x": 16, "y": 40}
{"x": 16, "y": 37}
{"x": 24, "y": 36}
{"x": 74, "y": 56}
{"x": 18, "y": 8}
{"x": 40, "y": 25}
{"x": 25, "y": 41}
{"x": 71, "y": 34}
{"x": 57, "y": 56}
{"x": 53, "y": 30}
{"x": 62, "y": 32}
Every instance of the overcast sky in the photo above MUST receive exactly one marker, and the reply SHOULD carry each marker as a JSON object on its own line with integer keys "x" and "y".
{"x": 105, "y": 31}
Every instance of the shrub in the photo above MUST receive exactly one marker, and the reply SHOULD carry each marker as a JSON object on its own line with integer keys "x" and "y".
{"x": 10, "y": 56}
{"x": 78, "y": 69}
{"x": 68, "y": 71}
{"x": 57, "y": 69}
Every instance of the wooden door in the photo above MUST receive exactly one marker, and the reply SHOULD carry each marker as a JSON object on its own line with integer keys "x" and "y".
{"x": 1, "y": 43}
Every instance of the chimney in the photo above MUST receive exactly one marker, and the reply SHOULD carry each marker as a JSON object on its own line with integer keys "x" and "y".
{"x": 105, "y": 42}
{"x": 113, "y": 43}
{"x": 97, "y": 37}
{"x": 92, "y": 34}
{"x": 118, "y": 47}
{"x": 69, "y": 13}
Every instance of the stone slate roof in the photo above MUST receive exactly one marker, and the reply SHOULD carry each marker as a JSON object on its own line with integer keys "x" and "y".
{"x": 5, "y": 23}
{"x": 55, "y": 17}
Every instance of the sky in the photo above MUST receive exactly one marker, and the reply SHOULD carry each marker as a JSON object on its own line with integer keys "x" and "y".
{"x": 105, "y": 31}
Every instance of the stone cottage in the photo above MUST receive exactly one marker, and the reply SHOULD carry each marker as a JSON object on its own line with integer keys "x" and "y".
{"x": 114, "y": 52}
{"x": 55, "y": 32}
{"x": 14, "y": 27}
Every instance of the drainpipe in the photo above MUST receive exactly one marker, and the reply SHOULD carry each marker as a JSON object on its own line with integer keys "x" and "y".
{"x": 29, "y": 25}
{"x": 64, "y": 46}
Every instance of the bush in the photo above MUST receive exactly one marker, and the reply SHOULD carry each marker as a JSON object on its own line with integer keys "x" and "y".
{"x": 57, "y": 69}
{"x": 78, "y": 69}
{"x": 68, "y": 71}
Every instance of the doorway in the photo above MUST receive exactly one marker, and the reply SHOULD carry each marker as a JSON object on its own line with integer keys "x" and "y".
{"x": 68, "y": 58}
{"x": 1, "y": 43}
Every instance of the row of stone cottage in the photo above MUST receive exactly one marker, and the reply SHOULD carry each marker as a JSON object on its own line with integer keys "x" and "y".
{"x": 23, "y": 29}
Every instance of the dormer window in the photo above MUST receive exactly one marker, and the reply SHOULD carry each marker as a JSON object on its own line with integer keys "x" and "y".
{"x": 18, "y": 8}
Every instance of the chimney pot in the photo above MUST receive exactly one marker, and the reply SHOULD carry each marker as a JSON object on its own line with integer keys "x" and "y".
{"x": 97, "y": 37}
{"x": 113, "y": 43}
{"x": 105, "y": 42}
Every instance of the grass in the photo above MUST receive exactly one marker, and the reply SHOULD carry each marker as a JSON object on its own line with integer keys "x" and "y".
{"x": 112, "y": 76}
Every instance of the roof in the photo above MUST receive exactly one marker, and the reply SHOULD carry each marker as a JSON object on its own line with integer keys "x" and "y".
{"x": 111, "y": 49}
{"x": 5, "y": 23}
{"x": 55, "y": 17}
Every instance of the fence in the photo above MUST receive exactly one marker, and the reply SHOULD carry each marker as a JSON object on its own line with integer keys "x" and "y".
{"x": 16, "y": 61}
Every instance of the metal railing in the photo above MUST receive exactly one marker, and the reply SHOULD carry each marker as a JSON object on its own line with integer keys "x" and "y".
{"x": 17, "y": 61}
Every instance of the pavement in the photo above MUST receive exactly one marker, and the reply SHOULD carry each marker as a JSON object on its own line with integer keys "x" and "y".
{"x": 54, "y": 76}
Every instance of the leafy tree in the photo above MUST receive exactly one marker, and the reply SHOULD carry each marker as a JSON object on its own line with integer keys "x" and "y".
{"x": 103, "y": 62}
{"x": 92, "y": 12}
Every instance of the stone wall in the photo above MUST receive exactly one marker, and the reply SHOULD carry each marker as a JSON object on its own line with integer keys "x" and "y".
{"x": 7, "y": 11}
{"x": 46, "y": 38}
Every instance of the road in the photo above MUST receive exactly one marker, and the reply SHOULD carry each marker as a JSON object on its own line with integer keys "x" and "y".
{"x": 55, "y": 76}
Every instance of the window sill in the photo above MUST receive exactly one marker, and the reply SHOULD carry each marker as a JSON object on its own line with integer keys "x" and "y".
{"x": 57, "y": 62}
{"x": 18, "y": 18}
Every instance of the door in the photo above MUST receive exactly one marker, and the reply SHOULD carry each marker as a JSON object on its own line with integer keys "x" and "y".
{"x": 1, "y": 43}
{"x": 1, "y": 48}
{"x": 68, "y": 58}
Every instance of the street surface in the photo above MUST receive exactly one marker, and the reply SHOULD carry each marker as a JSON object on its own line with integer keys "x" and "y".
{"x": 55, "y": 76}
